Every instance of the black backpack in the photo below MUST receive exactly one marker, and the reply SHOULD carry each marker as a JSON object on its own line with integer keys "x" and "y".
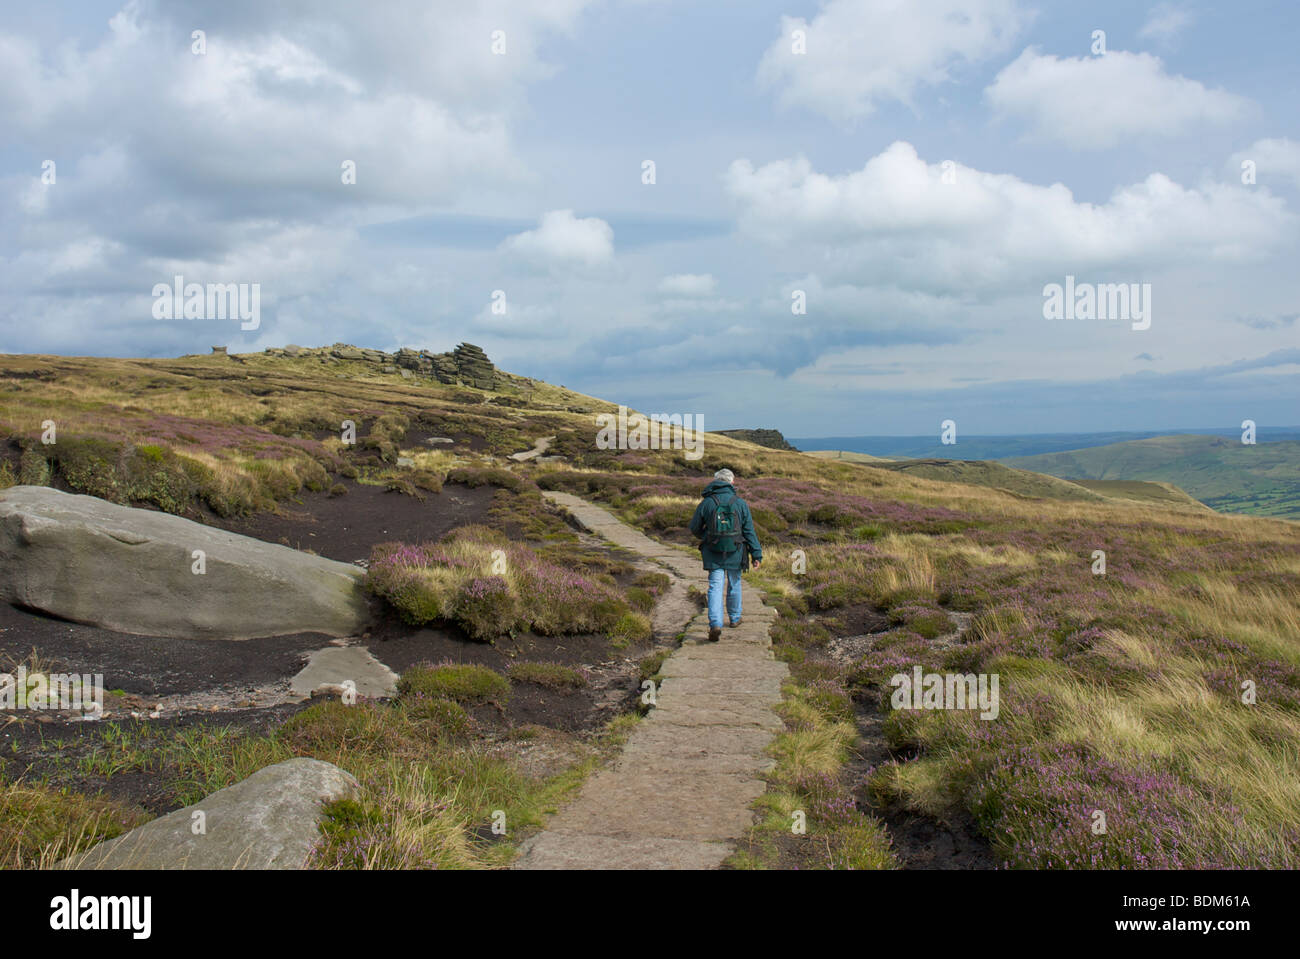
{"x": 725, "y": 534}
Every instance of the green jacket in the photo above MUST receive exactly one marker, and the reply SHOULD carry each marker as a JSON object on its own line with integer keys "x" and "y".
{"x": 703, "y": 518}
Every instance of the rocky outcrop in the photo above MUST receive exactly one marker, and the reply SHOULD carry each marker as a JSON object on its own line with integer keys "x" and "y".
{"x": 409, "y": 359}
{"x": 466, "y": 365}
{"x": 445, "y": 368}
{"x": 268, "y": 821}
{"x": 769, "y": 438}
{"x": 150, "y": 573}
{"x": 473, "y": 368}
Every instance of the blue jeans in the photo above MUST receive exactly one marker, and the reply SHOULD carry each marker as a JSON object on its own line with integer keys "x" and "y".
{"x": 716, "y": 578}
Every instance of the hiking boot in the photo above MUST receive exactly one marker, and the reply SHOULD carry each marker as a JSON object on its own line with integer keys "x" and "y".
{"x": 715, "y": 633}
{"x": 735, "y": 623}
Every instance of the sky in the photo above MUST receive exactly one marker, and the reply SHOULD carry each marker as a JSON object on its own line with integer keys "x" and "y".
{"x": 855, "y": 209}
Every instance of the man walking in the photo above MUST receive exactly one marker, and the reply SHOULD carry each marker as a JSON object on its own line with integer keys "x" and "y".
{"x": 725, "y": 529}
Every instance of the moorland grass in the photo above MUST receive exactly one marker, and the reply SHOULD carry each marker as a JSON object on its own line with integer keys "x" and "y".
{"x": 1129, "y": 693}
{"x": 1122, "y": 692}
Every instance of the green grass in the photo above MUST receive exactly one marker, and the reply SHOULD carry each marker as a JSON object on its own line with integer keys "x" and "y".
{"x": 463, "y": 683}
{"x": 650, "y": 666}
{"x": 550, "y": 675}
{"x": 1141, "y": 491}
{"x": 630, "y": 629}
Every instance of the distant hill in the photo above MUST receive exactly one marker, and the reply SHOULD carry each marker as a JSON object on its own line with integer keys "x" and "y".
{"x": 973, "y": 447}
{"x": 994, "y": 475}
{"x": 1141, "y": 490}
{"x": 1020, "y": 482}
{"x": 1263, "y": 479}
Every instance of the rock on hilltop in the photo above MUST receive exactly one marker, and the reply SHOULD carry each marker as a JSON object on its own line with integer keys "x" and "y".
{"x": 772, "y": 439}
{"x": 466, "y": 365}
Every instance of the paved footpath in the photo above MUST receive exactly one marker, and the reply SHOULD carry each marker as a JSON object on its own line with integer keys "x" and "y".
{"x": 678, "y": 795}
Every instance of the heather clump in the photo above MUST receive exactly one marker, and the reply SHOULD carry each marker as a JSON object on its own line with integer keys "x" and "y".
{"x": 1062, "y": 806}
{"x": 484, "y": 607}
{"x": 926, "y": 621}
{"x": 893, "y": 652}
{"x": 490, "y": 588}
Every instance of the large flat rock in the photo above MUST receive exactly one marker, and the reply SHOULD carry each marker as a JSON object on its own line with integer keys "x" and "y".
{"x": 132, "y": 570}
{"x": 267, "y": 821}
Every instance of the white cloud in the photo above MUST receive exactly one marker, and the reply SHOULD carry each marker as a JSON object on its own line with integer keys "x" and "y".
{"x": 898, "y": 218}
{"x": 228, "y": 164}
{"x": 561, "y": 237}
{"x": 1274, "y": 159}
{"x": 439, "y": 50}
{"x": 286, "y": 92}
{"x": 863, "y": 52}
{"x": 1098, "y": 102}
{"x": 1165, "y": 21}
{"x": 688, "y": 284}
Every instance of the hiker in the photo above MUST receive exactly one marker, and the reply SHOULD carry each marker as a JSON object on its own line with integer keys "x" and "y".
{"x": 725, "y": 530}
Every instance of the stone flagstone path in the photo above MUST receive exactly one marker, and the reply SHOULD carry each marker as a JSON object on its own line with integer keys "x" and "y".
{"x": 678, "y": 795}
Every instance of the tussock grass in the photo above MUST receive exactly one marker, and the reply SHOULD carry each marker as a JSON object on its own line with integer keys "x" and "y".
{"x": 40, "y": 825}
{"x": 550, "y": 675}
